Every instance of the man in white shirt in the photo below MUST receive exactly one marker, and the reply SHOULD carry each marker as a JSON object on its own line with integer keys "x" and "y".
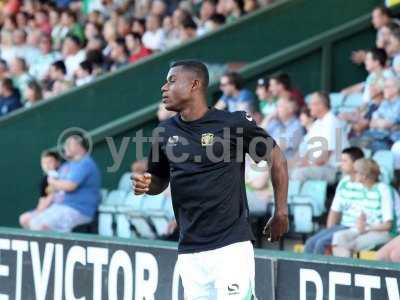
{"x": 154, "y": 37}
{"x": 325, "y": 141}
{"x": 73, "y": 55}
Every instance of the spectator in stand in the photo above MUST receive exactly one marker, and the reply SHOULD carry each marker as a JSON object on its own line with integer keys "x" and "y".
{"x": 380, "y": 17}
{"x": 124, "y": 24}
{"x": 71, "y": 27}
{"x": 325, "y": 137}
{"x": 231, "y": 9}
{"x": 139, "y": 26}
{"x": 50, "y": 162}
{"x": 41, "y": 64}
{"x": 159, "y": 8}
{"x": 92, "y": 30}
{"x": 384, "y": 118}
{"x": 250, "y": 6}
{"x": 374, "y": 213}
{"x": 136, "y": 48}
{"x": 57, "y": 72}
{"x": 286, "y": 128}
{"x": 234, "y": 97}
{"x": 21, "y": 48}
{"x": 346, "y": 201}
{"x": 178, "y": 17}
{"x": 9, "y": 97}
{"x": 79, "y": 180}
{"x": 266, "y": 100}
{"x": 281, "y": 87}
{"x": 360, "y": 119}
{"x": 393, "y": 49}
{"x": 73, "y": 54}
{"x": 20, "y": 76}
{"x": 110, "y": 35}
{"x": 375, "y": 64}
{"x": 84, "y": 74}
{"x": 99, "y": 64}
{"x": 153, "y": 38}
{"x": 119, "y": 54}
{"x": 208, "y": 8}
{"x": 42, "y": 21}
{"x": 33, "y": 93}
{"x": 188, "y": 30}
{"x": 215, "y": 22}
{"x": 383, "y": 38}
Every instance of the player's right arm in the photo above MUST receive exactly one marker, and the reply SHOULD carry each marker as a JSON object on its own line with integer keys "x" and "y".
{"x": 156, "y": 179}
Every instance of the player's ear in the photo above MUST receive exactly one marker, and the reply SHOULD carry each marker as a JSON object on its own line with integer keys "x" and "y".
{"x": 196, "y": 84}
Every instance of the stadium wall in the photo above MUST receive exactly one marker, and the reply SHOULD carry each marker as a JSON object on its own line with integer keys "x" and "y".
{"x": 36, "y": 265}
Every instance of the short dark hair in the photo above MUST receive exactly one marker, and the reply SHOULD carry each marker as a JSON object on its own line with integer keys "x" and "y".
{"x": 121, "y": 43}
{"x": 379, "y": 55}
{"x": 74, "y": 39}
{"x": 51, "y": 153}
{"x": 8, "y": 84}
{"x": 59, "y": 65}
{"x": 218, "y": 19}
{"x": 383, "y": 10}
{"x": 235, "y": 79}
{"x": 195, "y": 66}
{"x": 86, "y": 66}
{"x": 136, "y": 36}
{"x": 188, "y": 23}
{"x": 354, "y": 153}
{"x": 325, "y": 98}
{"x": 282, "y": 78}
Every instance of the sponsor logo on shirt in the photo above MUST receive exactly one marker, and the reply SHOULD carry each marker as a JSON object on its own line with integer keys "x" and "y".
{"x": 173, "y": 140}
{"x": 207, "y": 139}
{"x": 249, "y": 118}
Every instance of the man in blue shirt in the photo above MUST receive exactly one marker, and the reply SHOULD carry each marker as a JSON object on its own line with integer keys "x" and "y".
{"x": 286, "y": 128}
{"x": 9, "y": 97}
{"x": 234, "y": 97}
{"x": 79, "y": 181}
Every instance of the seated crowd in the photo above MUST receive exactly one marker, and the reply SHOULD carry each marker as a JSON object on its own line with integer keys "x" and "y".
{"x": 48, "y": 47}
{"x": 320, "y": 143}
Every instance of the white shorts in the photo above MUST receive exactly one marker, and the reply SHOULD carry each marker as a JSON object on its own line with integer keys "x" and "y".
{"x": 224, "y": 273}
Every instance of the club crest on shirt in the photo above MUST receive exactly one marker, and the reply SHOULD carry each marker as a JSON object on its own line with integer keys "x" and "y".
{"x": 207, "y": 139}
{"x": 173, "y": 140}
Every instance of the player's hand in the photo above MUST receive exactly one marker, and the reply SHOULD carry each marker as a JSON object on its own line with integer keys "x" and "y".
{"x": 276, "y": 227}
{"x": 141, "y": 183}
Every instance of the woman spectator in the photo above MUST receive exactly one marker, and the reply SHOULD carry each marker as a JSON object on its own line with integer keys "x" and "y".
{"x": 135, "y": 46}
{"x": 375, "y": 213}
{"x": 33, "y": 93}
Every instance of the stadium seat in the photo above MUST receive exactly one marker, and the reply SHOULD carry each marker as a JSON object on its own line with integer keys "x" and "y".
{"x": 316, "y": 190}
{"x": 302, "y": 211}
{"x": 336, "y": 101}
{"x": 125, "y": 183}
{"x": 161, "y": 219}
{"x": 354, "y": 100}
{"x": 107, "y": 209}
{"x": 385, "y": 160}
{"x": 294, "y": 189}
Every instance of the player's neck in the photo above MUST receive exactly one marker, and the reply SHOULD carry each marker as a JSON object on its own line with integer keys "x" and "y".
{"x": 194, "y": 112}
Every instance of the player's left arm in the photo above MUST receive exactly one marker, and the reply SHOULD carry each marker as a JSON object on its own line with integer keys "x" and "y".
{"x": 277, "y": 226}
{"x": 260, "y": 146}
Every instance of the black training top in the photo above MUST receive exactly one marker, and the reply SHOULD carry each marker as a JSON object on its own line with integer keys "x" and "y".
{"x": 204, "y": 161}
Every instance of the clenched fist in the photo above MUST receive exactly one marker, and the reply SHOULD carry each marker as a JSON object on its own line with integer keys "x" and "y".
{"x": 141, "y": 183}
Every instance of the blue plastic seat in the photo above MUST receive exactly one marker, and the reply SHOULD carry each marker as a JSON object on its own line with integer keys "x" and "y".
{"x": 316, "y": 189}
{"x": 385, "y": 160}
{"x": 125, "y": 183}
{"x": 302, "y": 212}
